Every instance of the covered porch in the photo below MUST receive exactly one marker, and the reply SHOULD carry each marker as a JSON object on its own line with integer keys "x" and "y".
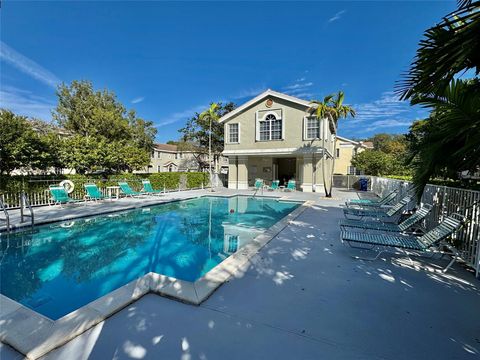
{"x": 304, "y": 168}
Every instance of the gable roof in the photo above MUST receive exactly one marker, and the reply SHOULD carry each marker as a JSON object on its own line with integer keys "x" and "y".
{"x": 258, "y": 98}
{"x": 166, "y": 147}
{"x": 366, "y": 144}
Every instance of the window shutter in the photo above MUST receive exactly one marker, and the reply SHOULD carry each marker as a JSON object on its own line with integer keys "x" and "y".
{"x": 304, "y": 128}
{"x": 257, "y": 128}
{"x": 239, "y": 133}
{"x": 321, "y": 124}
{"x": 227, "y": 134}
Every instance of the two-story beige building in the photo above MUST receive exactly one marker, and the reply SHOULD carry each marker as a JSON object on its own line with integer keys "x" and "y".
{"x": 169, "y": 158}
{"x": 275, "y": 136}
{"x": 345, "y": 150}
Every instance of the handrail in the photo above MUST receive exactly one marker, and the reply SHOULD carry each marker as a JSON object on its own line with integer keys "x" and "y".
{"x": 25, "y": 203}
{"x": 7, "y": 216}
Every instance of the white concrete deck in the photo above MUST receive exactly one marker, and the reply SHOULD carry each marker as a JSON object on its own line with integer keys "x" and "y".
{"x": 302, "y": 297}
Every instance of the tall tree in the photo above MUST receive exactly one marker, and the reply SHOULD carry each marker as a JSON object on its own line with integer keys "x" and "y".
{"x": 195, "y": 133}
{"x": 103, "y": 135}
{"x": 21, "y": 146}
{"x": 332, "y": 109}
{"x": 447, "y": 141}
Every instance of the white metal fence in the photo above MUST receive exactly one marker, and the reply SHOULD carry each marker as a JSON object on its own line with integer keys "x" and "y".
{"x": 41, "y": 198}
{"x": 445, "y": 200}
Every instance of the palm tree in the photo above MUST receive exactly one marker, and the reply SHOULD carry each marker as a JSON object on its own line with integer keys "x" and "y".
{"x": 210, "y": 115}
{"x": 448, "y": 141}
{"x": 332, "y": 109}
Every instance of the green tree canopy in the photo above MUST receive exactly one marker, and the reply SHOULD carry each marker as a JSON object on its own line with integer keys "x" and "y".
{"x": 375, "y": 162}
{"x": 103, "y": 135}
{"x": 22, "y": 147}
{"x": 195, "y": 133}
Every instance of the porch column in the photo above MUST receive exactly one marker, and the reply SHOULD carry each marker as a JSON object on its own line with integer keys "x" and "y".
{"x": 232, "y": 172}
{"x": 242, "y": 174}
{"x": 307, "y": 180}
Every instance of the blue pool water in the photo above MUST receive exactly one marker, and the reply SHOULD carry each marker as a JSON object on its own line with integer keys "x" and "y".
{"x": 60, "y": 267}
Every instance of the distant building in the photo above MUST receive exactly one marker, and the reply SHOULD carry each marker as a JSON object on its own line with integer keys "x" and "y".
{"x": 169, "y": 158}
{"x": 346, "y": 149}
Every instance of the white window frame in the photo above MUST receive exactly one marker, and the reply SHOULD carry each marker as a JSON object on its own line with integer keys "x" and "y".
{"x": 228, "y": 133}
{"x": 305, "y": 128}
{"x": 274, "y": 112}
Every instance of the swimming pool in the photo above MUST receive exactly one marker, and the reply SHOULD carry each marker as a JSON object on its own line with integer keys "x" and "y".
{"x": 60, "y": 267}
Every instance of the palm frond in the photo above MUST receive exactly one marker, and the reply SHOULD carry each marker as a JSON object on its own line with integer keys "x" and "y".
{"x": 446, "y": 50}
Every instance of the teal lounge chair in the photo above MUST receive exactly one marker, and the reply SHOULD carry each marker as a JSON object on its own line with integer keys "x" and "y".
{"x": 127, "y": 190}
{"x": 93, "y": 193}
{"x": 373, "y": 203}
{"x": 274, "y": 186}
{"x": 148, "y": 188}
{"x": 60, "y": 195}
{"x": 424, "y": 243}
{"x": 258, "y": 184}
{"x": 291, "y": 186}
{"x": 385, "y": 213}
{"x": 405, "y": 225}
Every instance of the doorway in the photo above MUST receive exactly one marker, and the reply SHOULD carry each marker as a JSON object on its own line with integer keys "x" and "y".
{"x": 286, "y": 170}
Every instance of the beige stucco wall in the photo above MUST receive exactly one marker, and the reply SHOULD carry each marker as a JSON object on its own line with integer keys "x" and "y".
{"x": 252, "y": 158}
{"x": 183, "y": 160}
{"x": 346, "y": 152}
{"x": 292, "y": 115}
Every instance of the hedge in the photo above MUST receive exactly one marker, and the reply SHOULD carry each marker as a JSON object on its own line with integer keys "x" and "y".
{"x": 168, "y": 180}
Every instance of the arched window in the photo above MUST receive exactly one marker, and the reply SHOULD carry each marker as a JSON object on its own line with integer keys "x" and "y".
{"x": 270, "y": 128}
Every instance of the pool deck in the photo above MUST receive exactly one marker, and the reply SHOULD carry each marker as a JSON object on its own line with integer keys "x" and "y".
{"x": 301, "y": 297}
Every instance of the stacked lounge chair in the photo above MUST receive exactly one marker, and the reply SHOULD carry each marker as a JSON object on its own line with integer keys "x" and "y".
{"x": 422, "y": 244}
{"x": 386, "y": 213}
{"x": 373, "y": 203}
{"x": 404, "y": 226}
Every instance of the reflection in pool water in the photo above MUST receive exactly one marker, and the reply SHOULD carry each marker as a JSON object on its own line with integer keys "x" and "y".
{"x": 60, "y": 267}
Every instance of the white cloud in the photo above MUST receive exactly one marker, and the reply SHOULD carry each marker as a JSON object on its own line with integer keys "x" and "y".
{"x": 179, "y": 116}
{"x": 298, "y": 86}
{"x": 27, "y": 65}
{"x": 386, "y": 112}
{"x": 137, "y": 100}
{"x": 391, "y": 123}
{"x": 23, "y": 102}
{"x": 249, "y": 92}
{"x": 337, "y": 16}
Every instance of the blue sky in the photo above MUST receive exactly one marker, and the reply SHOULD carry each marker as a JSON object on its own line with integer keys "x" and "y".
{"x": 167, "y": 60}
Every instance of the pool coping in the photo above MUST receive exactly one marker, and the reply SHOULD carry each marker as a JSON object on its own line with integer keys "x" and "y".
{"x": 34, "y": 335}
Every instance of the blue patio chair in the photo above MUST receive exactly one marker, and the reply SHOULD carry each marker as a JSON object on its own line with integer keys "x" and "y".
{"x": 127, "y": 190}
{"x": 93, "y": 193}
{"x": 60, "y": 196}
{"x": 274, "y": 185}
{"x": 291, "y": 186}
{"x": 148, "y": 188}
